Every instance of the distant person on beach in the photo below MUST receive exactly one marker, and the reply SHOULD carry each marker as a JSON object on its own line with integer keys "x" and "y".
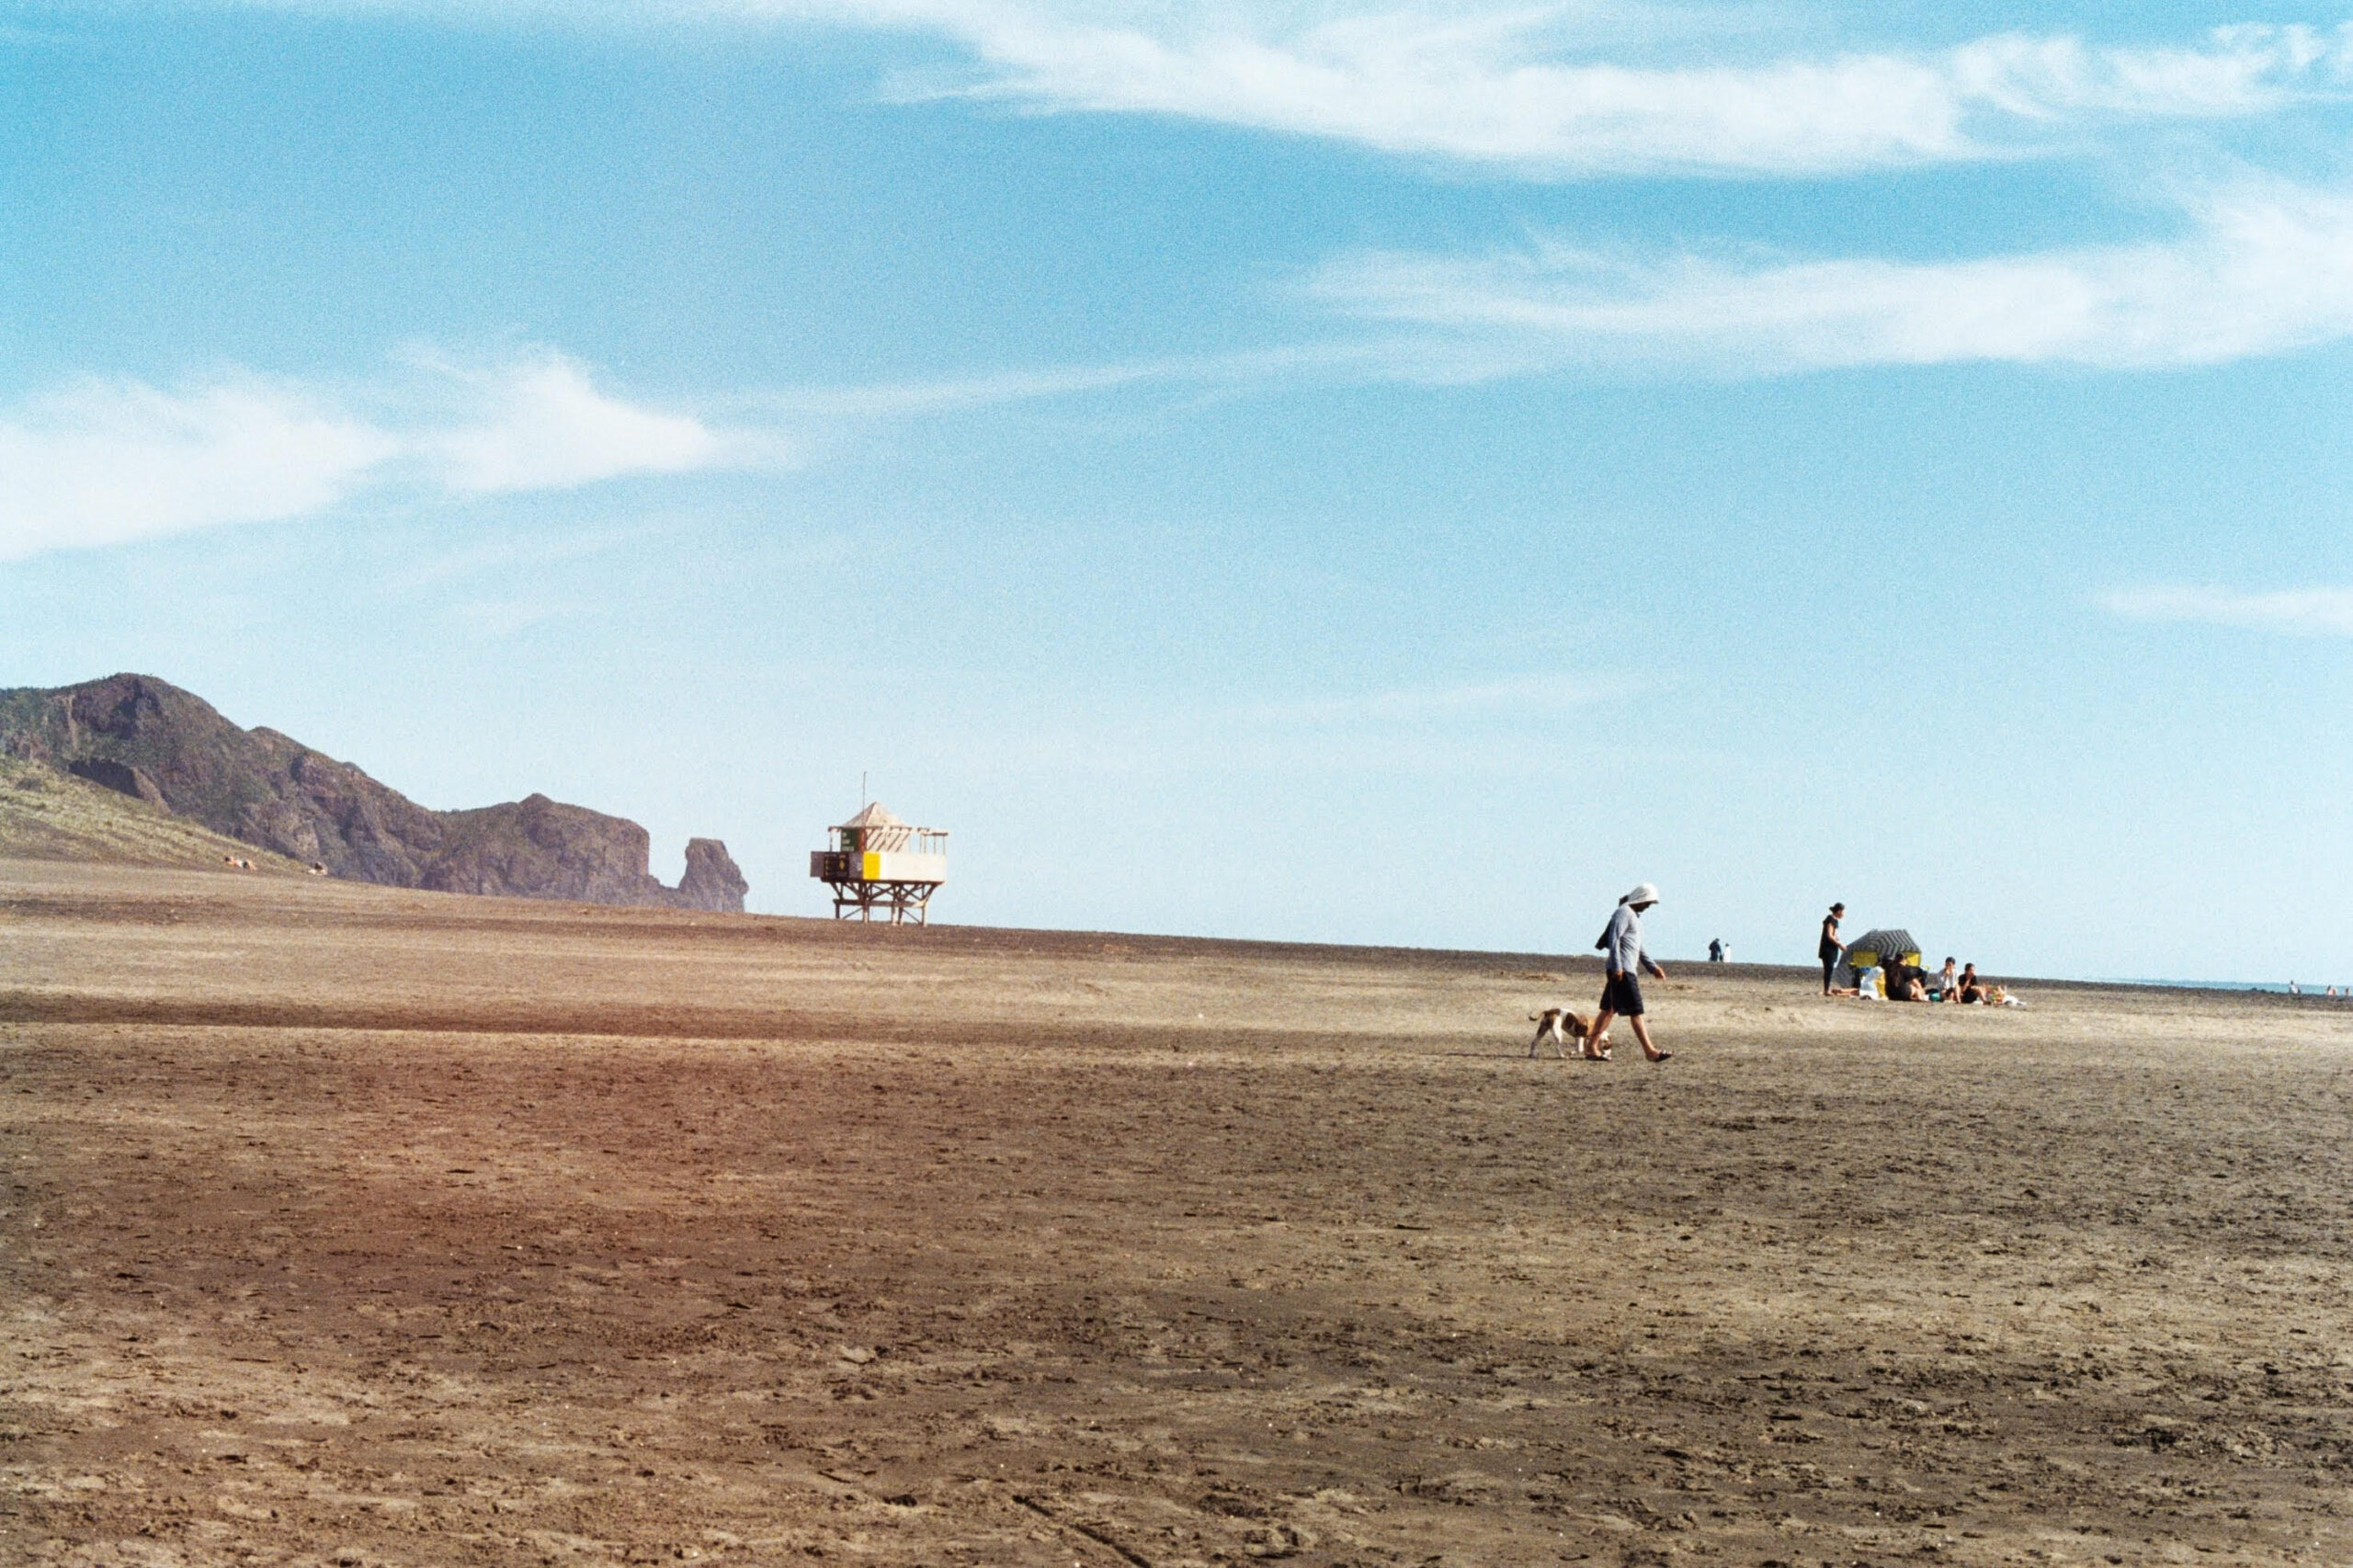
{"x": 1716, "y": 951}
{"x": 1832, "y": 948}
{"x": 1622, "y": 990}
{"x": 1972, "y": 988}
{"x": 1947, "y": 984}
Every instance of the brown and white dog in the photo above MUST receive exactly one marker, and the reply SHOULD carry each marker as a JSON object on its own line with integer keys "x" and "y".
{"x": 1561, "y": 1027}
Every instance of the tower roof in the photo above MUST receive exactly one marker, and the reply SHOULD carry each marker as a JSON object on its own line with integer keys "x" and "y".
{"x": 877, "y": 815}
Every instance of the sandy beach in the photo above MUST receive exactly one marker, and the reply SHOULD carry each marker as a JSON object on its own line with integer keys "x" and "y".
{"x": 347, "y": 1226}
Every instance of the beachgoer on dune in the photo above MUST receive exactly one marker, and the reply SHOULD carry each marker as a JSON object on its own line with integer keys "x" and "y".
{"x": 1622, "y": 990}
{"x": 1832, "y": 949}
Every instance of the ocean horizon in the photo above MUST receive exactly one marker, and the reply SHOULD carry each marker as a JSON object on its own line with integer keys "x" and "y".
{"x": 2278, "y": 987}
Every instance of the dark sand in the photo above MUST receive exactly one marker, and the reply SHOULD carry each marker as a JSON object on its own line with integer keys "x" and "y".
{"x": 346, "y": 1225}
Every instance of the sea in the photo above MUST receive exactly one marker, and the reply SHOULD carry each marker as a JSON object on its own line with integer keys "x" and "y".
{"x": 2278, "y": 987}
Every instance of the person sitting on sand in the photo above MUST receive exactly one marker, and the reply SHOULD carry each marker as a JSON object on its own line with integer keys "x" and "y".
{"x": 1903, "y": 979}
{"x": 1972, "y": 988}
{"x": 1946, "y": 982}
{"x": 1621, "y": 991}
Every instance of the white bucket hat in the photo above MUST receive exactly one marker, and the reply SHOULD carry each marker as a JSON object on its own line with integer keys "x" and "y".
{"x": 1644, "y": 892}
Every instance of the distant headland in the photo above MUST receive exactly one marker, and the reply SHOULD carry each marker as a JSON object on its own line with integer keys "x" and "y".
{"x": 147, "y": 740}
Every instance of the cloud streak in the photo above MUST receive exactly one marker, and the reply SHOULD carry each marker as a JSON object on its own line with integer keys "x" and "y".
{"x": 111, "y": 462}
{"x": 2264, "y": 268}
{"x": 1544, "y": 90}
{"x": 540, "y": 424}
{"x": 116, "y": 463}
{"x": 2303, "y": 612}
{"x": 1518, "y": 85}
{"x": 1504, "y": 724}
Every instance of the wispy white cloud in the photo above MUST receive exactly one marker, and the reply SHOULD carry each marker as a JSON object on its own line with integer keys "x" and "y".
{"x": 111, "y": 462}
{"x": 497, "y": 619}
{"x": 1546, "y": 88}
{"x": 1515, "y": 699}
{"x": 2307, "y": 612}
{"x": 2263, "y": 268}
{"x": 503, "y": 554}
{"x": 952, "y": 393}
{"x": 1353, "y": 355}
{"x": 539, "y": 423}
{"x": 1507, "y": 725}
{"x": 1519, "y": 84}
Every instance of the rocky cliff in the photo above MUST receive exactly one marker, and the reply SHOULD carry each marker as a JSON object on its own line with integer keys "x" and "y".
{"x": 147, "y": 738}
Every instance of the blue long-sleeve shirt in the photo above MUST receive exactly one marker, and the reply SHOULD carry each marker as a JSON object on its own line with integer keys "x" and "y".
{"x": 1622, "y": 943}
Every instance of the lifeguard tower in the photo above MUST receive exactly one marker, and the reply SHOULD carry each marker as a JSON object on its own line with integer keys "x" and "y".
{"x": 879, "y": 863}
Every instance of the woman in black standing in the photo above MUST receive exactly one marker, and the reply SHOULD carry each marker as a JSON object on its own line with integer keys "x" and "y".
{"x": 1831, "y": 946}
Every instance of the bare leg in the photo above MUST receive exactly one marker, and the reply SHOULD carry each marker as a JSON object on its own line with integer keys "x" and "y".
{"x": 1642, "y": 1033}
{"x": 1599, "y": 1032}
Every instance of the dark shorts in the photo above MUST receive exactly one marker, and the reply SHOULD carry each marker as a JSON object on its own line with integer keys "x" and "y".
{"x": 1622, "y": 995}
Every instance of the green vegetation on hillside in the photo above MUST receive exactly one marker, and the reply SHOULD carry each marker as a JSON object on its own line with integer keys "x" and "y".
{"x": 49, "y": 815}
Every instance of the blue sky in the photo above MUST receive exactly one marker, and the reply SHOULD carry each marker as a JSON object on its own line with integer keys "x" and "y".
{"x": 1319, "y": 470}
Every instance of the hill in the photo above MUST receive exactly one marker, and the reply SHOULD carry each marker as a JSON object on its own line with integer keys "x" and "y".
{"x": 149, "y": 742}
{"x": 49, "y": 815}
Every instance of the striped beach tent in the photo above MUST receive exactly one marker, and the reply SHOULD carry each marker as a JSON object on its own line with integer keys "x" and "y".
{"x": 1887, "y": 948}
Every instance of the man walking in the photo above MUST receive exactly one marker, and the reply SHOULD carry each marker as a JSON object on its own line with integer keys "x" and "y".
{"x": 1622, "y": 990}
{"x": 1832, "y": 949}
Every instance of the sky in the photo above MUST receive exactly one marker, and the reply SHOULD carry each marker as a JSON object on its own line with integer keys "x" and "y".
{"x": 1329, "y": 471}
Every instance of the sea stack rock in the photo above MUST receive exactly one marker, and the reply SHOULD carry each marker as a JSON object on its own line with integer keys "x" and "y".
{"x": 712, "y": 880}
